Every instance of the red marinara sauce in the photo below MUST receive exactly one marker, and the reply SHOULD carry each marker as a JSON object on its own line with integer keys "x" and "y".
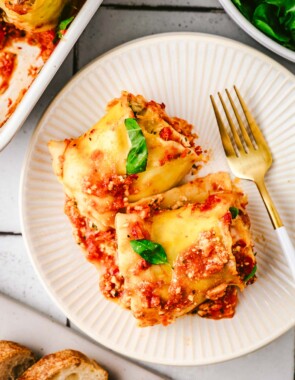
{"x": 7, "y": 64}
{"x": 223, "y": 307}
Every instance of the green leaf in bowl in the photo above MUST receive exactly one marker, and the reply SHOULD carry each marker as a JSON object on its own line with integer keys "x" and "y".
{"x": 266, "y": 18}
{"x": 275, "y": 18}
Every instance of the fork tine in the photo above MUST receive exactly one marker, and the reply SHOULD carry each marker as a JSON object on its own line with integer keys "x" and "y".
{"x": 236, "y": 137}
{"x": 227, "y": 145}
{"x": 241, "y": 124}
{"x": 258, "y": 136}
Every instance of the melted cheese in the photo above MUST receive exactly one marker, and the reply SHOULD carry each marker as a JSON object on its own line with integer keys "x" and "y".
{"x": 198, "y": 244}
{"x": 91, "y": 166}
{"x": 177, "y": 230}
{"x": 192, "y": 222}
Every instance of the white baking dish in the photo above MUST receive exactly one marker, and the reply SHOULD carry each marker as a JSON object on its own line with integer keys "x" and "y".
{"x": 16, "y": 120}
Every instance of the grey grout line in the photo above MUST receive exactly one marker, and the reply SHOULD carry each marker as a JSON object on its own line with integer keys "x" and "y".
{"x": 9, "y": 233}
{"x": 165, "y": 8}
{"x": 76, "y": 58}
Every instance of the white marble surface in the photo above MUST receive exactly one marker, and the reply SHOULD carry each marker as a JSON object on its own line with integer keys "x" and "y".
{"x": 116, "y": 22}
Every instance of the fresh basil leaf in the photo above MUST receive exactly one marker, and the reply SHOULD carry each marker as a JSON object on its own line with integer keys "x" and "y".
{"x": 265, "y": 18}
{"x": 250, "y": 275}
{"x": 152, "y": 252}
{"x": 63, "y": 25}
{"x": 138, "y": 154}
{"x": 234, "y": 212}
{"x": 289, "y": 21}
{"x": 244, "y": 8}
{"x": 275, "y": 18}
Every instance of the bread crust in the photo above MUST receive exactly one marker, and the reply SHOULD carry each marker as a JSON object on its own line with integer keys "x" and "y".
{"x": 14, "y": 359}
{"x": 64, "y": 363}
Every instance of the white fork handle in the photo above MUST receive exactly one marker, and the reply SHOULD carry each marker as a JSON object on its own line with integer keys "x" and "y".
{"x": 288, "y": 248}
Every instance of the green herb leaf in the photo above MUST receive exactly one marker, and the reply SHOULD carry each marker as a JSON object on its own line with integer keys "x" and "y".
{"x": 275, "y": 18}
{"x": 152, "y": 252}
{"x": 63, "y": 25}
{"x": 265, "y": 18}
{"x": 250, "y": 275}
{"x": 234, "y": 212}
{"x": 244, "y": 8}
{"x": 138, "y": 154}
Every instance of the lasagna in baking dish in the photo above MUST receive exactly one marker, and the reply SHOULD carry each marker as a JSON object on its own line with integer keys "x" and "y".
{"x": 163, "y": 248}
{"x": 29, "y": 32}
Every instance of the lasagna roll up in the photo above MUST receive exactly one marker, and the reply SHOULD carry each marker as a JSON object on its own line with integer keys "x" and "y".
{"x": 93, "y": 167}
{"x": 197, "y": 226}
{"x": 93, "y": 171}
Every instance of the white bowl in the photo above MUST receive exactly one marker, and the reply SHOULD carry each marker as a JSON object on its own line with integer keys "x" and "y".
{"x": 255, "y": 33}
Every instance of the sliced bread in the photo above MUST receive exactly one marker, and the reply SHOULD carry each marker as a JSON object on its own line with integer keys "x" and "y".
{"x": 14, "y": 360}
{"x": 65, "y": 365}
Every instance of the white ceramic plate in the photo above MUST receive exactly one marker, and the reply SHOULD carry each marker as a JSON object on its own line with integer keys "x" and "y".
{"x": 181, "y": 70}
{"x": 255, "y": 33}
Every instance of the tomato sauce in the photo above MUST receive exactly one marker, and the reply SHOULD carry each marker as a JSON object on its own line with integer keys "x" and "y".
{"x": 7, "y": 64}
{"x": 166, "y": 133}
{"x": 100, "y": 248}
{"x": 210, "y": 203}
{"x": 223, "y": 307}
{"x": 244, "y": 262}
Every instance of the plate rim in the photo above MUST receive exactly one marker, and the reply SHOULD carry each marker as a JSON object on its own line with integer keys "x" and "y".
{"x": 25, "y": 233}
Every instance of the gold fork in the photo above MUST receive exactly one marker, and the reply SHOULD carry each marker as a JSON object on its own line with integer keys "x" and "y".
{"x": 250, "y": 158}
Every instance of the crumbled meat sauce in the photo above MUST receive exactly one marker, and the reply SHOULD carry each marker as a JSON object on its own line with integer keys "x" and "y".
{"x": 223, "y": 307}
{"x": 143, "y": 265}
{"x": 147, "y": 294}
{"x": 182, "y": 127}
{"x": 112, "y": 283}
{"x": 179, "y": 125}
{"x": 136, "y": 231}
{"x": 7, "y": 64}
{"x": 210, "y": 203}
{"x": 244, "y": 262}
{"x": 198, "y": 150}
{"x": 227, "y": 218}
{"x": 117, "y": 186}
{"x": 206, "y": 257}
{"x": 166, "y": 133}
{"x": 45, "y": 41}
{"x": 100, "y": 247}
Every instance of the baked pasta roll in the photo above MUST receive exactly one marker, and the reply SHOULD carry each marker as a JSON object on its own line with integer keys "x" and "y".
{"x": 134, "y": 151}
{"x": 177, "y": 251}
{"x": 163, "y": 249}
